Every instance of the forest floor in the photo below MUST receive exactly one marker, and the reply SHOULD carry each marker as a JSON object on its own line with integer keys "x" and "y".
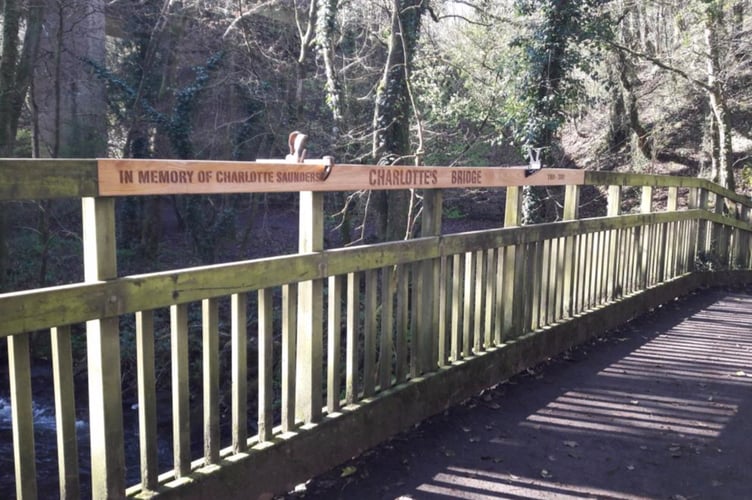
{"x": 658, "y": 409}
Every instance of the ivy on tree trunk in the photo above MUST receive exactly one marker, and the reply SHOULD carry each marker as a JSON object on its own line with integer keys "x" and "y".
{"x": 391, "y": 117}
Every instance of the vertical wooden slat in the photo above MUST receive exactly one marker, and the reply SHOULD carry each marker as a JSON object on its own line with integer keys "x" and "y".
{"x": 402, "y": 324}
{"x": 369, "y": 333}
{"x": 467, "y": 307}
{"x": 490, "y": 280}
{"x": 415, "y": 317}
{"x": 445, "y": 318}
{"x": 646, "y": 206}
{"x": 548, "y": 275}
{"x": 147, "y": 400}
{"x": 265, "y": 363}
{"x": 457, "y": 306}
{"x": 239, "y": 342}
{"x": 387, "y": 328}
{"x": 181, "y": 424}
{"x": 103, "y": 355}
{"x": 210, "y": 361}
{"x": 499, "y": 297}
{"x": 478, "y": 302}
{"x": 535, "y": 263}
{"x": 65, "y": 412}
{"x": 22, "y": 414}
{"x": 433, "y": 299}
{"x": 334, "y": 341}
{"x": 289, "y": 344}
{"x": 557, "y": 270}
{"x": 672, "y": 204}
{"x": 353, "y": 325}
{"x": 586, "y": 250}
{"x": 702, "y": 226}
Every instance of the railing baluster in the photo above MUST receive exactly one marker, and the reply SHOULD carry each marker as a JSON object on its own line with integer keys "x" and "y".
{"x": 147, "y": 400}
{"x": 535, "y": 266}
{"x": 478, "y": 302}
{"x": 239, "y": 389}
{"x": 457, "y": 306}
{"x": 289, "y": 344}
{"x": 334, "y": 344}
{"x": 387, "y": 328}
{"x": 210, "y": 359}
{"x": 22, "y": 415}
{"x": 181, "y": 420}
{"x": 401, "y": 325}
{"x": 265, "y": 363}
{"x": 547, "y": 282}
{"x": 353, "y": 327}
{"x": 369, "y": 333}
{"x": 467, "y": 306}
{"x": 444, "y": 312}
{"x": 499, "y": 297}
{"x": 65, "y": 412}
{"x": 490, "y": 280}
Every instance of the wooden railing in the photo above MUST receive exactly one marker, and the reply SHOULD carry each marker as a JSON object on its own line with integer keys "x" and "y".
{"x": 352, "y": 344}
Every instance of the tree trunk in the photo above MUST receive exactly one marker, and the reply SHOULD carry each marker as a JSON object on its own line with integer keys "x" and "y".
{"x": 391, "y": 118}
{"x": 714, "y": 24}
{"x": 15, "y": 79}
{"x": 70, "y": 100}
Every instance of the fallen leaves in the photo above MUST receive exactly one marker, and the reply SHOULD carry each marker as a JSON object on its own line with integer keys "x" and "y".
{"x": 348, "y": 471}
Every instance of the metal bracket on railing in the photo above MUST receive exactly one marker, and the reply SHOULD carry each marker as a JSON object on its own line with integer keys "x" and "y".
{"x": 328, "y": 166}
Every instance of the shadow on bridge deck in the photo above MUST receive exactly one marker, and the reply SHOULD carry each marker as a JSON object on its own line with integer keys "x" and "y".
{"x": 661, "y": 408}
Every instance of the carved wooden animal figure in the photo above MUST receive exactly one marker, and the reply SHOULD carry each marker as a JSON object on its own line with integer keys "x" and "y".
{"x": 296, "y": 142}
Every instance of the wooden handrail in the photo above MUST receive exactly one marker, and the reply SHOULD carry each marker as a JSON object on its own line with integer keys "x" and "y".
{"x": 419, "y": 313}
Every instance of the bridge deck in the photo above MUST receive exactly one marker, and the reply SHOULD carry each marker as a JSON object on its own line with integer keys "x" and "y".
{"x": 661, "y": 408}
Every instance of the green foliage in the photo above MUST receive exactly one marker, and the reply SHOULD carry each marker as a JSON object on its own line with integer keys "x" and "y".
{"x": 560, "y": 38}
{"x": 178, "y": 125}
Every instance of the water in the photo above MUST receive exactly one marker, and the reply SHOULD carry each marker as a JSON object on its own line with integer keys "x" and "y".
{"x": 45, "y": 444}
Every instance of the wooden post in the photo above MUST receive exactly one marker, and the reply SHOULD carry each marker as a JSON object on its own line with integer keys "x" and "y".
{"x": 309, "y": 400}
{"x": 103, "y": 355}
{"x": 614, "y": 285}
{"x": 513, "y": 259}
{"x": 571, "y": 212}
{"x": 430, "y": 277}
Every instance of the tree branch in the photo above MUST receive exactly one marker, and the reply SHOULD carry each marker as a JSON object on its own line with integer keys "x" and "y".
{"x": 661, "y": 65}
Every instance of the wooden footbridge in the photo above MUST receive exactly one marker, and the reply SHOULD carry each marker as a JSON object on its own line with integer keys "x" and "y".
{"x": 352, "y": 344}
